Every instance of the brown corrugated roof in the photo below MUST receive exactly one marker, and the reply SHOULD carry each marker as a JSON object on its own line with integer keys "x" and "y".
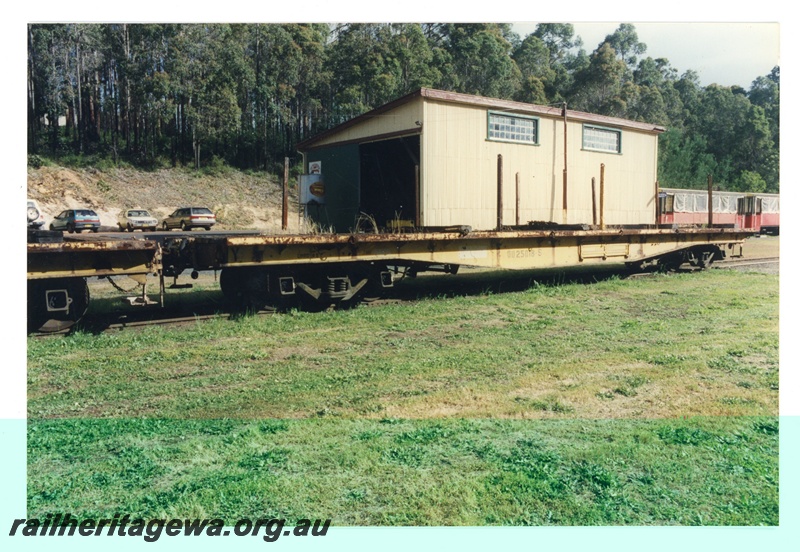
{"x": 491, "y": 103}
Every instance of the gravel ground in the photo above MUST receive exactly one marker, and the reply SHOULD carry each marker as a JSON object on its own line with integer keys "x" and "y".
{"x": 761, "y": 247}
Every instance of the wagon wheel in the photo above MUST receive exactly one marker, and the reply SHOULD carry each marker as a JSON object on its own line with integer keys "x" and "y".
{"x": 183, "y": 225}
{"x": 62, "y": 300}
{"x": 371, "y": 292}
{"x": 671, "y": 262}
{"x": 702, "y": 257}
{"x": 247, "y": 289}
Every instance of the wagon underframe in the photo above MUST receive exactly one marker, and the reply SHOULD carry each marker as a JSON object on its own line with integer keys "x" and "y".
{"x": 315, "y": 271}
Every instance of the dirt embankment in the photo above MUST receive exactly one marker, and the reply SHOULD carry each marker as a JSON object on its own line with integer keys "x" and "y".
{"x": 240, "y": 201}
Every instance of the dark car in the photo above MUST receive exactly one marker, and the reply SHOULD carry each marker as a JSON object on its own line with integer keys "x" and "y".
{"x": 75, "y": 220}
{"x": 187, "y": 218}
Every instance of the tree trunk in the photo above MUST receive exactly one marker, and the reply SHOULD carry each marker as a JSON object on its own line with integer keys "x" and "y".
{"x": 32, "y": 123}
{"x": 196, "y": 149}
{"x": 126, "y": 92}
{"x": 81, "y": 126}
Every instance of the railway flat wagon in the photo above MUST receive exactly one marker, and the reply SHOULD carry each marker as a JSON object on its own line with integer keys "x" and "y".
{"x": 314, "y": 272}
{"x": 434, "y": 181}
{"x": 757, "y": 211}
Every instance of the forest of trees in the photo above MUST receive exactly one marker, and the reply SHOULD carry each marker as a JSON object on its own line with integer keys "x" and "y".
{"x": 152, "y": 95}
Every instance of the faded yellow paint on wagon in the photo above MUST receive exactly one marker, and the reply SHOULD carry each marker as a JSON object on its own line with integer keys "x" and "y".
{"x": 522, "y": 250}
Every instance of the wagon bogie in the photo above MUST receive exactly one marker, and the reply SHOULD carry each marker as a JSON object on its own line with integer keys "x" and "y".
{"x": 309, "y": 288}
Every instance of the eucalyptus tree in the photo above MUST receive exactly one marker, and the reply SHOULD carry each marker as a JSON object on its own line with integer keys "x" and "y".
{"x": 737, "y": 133}
{"x": 82, "y": 60}
{"x": 313, "y": 77}
{"x": 684, "y": 160}
{"x": 479, "y": 57}
{"x": 149, "y": 78}
{"x": 533, "y": 60}
{"x": 208, "y": 59}
{"x": 566, "y": 58}
{"x": 559, "y": 39}
{"x": 357, "y": 57}
{"x": 247, "y": 93}
{"x": 659, "y": 74}
{"x": 690, "y": 93}
{"x": 373, "y": 64}
{"x": 413, "y": 58}
{"x": 765, "y": 92}
{"x": 270, "y": 47}
{"x": 65, "y": 79}
{"x": 45, "y": 84}
{"x": 625, "y": 42}
{"x": 599, "y": 87}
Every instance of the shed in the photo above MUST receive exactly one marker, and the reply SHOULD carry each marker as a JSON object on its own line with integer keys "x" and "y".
{"x": 437, "y": 159}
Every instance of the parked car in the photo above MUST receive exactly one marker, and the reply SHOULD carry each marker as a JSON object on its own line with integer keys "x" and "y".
{"x": 187, "y": 218}
{"x": 136, "y": 219}
{"x": 35, "y": 215}
{"x": 75, "y": 220}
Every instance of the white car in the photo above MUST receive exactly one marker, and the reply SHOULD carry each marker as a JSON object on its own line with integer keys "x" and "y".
{"x": 35, "y": 215}
{"x": 136, "y": 219}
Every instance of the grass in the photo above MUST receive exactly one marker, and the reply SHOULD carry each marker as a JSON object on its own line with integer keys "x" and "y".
{"x": 559, "y": 403}
{"x": 668, "y": 346}
{"x": 704, "y": 471}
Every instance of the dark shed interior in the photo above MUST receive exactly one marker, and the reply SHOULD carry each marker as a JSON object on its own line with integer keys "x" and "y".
{"x": 388, "y": 190}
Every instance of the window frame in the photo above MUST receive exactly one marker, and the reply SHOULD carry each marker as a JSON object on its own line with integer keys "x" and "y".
{"x": 666, "y": 203}
{"x": 616, "y": 131}
{"x": 532, "y": 118}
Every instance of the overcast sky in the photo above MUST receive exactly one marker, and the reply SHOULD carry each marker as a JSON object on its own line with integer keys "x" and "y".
{"x": 722, "y": 53}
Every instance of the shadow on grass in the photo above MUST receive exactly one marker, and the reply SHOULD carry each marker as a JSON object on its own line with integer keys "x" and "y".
{"x": 482, "y": 282}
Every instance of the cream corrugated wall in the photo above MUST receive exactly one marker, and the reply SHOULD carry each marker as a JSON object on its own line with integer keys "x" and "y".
{"x": 459, "y": 173}
{"x": 401, "y": 118}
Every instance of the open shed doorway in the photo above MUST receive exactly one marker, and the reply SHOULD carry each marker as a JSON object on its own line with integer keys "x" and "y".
{"x": 389, "y": 175}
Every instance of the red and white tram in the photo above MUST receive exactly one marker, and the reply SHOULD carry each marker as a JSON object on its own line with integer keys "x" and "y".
{"x": 737, "y": 209}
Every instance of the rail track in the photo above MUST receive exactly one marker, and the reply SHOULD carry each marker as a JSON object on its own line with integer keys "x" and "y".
{"x": 741, "y": 263}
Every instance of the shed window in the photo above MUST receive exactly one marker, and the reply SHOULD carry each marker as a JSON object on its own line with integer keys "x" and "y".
{"x": 513, "y": 128}
{"x": 602, "y": 139}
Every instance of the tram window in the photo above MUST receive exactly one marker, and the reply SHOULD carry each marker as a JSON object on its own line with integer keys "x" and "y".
{"x": 748, "y": 205}
{"x": 666, "y": 204}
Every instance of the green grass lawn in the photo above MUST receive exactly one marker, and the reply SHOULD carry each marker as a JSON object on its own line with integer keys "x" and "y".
{"x": 646, "y": 402}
